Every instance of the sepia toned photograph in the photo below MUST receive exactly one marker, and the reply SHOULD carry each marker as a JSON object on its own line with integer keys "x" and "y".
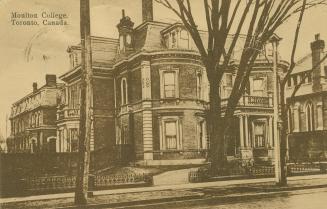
{"x": 159, "y": 104}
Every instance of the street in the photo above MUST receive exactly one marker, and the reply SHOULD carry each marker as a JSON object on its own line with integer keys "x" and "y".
{"x": 301, "y": 199}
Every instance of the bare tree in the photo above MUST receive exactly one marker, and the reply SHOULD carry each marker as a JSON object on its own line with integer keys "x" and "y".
{"x": 258, "y": 20}
{"x": 283, "y": 104}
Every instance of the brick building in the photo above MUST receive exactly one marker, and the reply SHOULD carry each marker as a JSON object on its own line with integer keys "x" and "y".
{"x": 33, "y": 127}
{"x": 151, "y": 95}
{"x": 308, "y": 108}
{"x": 103, "y": 54}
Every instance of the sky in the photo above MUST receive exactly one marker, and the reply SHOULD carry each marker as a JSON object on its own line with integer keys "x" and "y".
{"x": 23, "y": 49}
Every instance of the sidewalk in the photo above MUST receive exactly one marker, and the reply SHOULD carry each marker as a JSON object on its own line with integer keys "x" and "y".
{"x": 133, "y": 196}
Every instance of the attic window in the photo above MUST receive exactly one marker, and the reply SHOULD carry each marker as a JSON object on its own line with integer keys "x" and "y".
{"x": 184, "y": 39}
{"x": 173, "y": 40}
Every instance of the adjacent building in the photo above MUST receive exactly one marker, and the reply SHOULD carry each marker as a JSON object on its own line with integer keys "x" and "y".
{"x": 33, "y": 127}
{"x": 308, "y": 107}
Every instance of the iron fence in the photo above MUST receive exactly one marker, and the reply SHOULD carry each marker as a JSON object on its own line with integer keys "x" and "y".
{"x": 201, "y": 175}
{"x": 67, "y": 183}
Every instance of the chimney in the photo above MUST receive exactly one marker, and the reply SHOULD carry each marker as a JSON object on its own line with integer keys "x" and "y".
{"x": 34, "y": 87}
{"x": 317, "y": 49}
{"x": 147, "y": 10}
{"x": 50, "y": 80}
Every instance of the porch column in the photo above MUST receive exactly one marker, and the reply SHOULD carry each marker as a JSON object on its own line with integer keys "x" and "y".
{"x": 147, "y": 112}
{"x": 65, "y": 144}
{"x": 270, "y": 138}
{"x": 246, "y": 131}
{"x": 241, "y": 131}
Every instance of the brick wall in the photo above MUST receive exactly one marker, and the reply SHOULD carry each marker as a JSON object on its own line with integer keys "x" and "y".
{"x": 104, "y": 123}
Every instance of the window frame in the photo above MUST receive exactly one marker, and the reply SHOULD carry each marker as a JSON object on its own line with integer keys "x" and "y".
{"x": 258, "y": 92}
{"x": 163, "y": 137}
{"x": 264, "y": 139}
{"x": 309, "y": 114}
{"x": 162, "y": 83}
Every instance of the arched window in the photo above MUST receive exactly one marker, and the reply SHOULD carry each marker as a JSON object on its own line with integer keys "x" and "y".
{"x": 309, "y": 117}
{"x": 124, "y": 91}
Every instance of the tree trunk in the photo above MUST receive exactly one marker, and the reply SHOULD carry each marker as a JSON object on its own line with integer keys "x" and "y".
{"x": 216, "y": 133}
{"x": 283, "y": 138}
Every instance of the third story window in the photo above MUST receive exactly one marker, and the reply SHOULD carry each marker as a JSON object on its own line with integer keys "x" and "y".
{"x": 169, "y": 84}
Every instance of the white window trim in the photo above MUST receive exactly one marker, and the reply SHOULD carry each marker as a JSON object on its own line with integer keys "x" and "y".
{"x": 162, "y": 83}
{"x": 121, "y": 91}
{"x": 179, "y": 133}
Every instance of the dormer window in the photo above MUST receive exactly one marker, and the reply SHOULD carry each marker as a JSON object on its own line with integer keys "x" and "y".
{"x": 121, "y": 42}
{"x": 128, "y": 39}
{"x": 184, "y": 40}
{"x": 173, "y": 40}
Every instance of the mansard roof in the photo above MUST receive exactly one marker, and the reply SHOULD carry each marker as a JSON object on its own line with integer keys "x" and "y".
{"x": 104, "y": 50}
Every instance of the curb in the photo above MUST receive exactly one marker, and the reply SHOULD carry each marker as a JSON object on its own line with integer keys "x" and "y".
{"x": 202, "y": 198}
{"x": 135, "y": 203}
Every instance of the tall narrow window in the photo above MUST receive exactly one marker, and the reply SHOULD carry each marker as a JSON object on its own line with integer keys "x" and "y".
{"x": 295, "y": 80}
{"x": 199, "y": 86}
{"x": 259, "y": 135}
{"x": 310, "y": 117}
{"x": 169, "y": 84}
{"x": 289, "y": 82}
{"x": 173, "y": 40}
{"x": 258, "y": 86}
{"x": 229, "y": 84}
{"x": 202, "y": 135}
{"x": 123, "y": 91}
{"x": 124, "y": 135}
{"x": 171, "y": 135}
{"x": 74, "y": 139}
{"x": 309, "y": 76}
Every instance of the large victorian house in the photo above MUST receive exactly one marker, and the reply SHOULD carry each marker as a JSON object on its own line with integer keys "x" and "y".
{"x": 150, "y": 97}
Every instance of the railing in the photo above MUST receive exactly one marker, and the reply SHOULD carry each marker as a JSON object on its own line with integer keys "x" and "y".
{"x": 303, "y": 168}
{"x": 49, "y": 183}
{"x": 201, "y": 175}
{"x": 67, "y": 113}
{"x": 60, "y": 183}
{"x": 252, "y": 101}
{"x": 105, "y": 181}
